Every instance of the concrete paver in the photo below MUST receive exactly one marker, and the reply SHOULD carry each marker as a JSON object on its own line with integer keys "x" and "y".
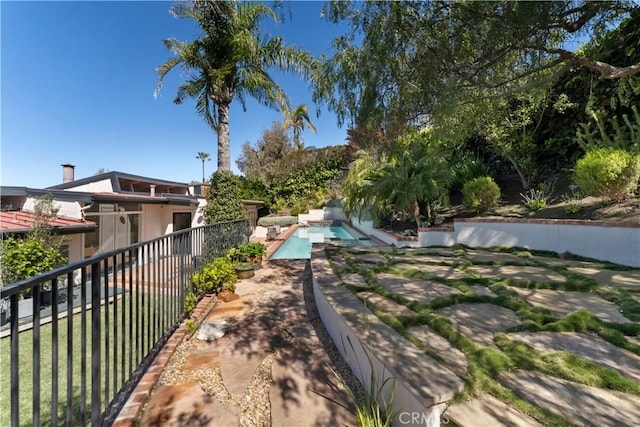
{"x": 487, "y": 411}
{"x": 564, "y": 302}
{"x": 414, "y": 289}
{"x": 386, "y": 304}
{"x": 580, "y": 404}
{"x": 497, "y": 257}
{"x": 479, "y": 322}
{"x": 443, "y": 271}
{"x": 587, "y": 346}
{"x": 612, "y": 278}
{"x": 371, "y": 258}
{"x": 416, "y": 259}
{"x": 538, "y": 274}
{"x": 354, "y": 280}
{"x": 454, "y": 358}
{"x": 483, "y": 290}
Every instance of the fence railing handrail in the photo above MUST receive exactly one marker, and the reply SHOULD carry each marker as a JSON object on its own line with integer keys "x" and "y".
{"x": 22, "y": 285}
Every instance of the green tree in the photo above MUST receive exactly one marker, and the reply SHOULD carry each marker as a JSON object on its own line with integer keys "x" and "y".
{"x": 298, "y": 120}
{"x": 223, "y": 201}
{"x": 415, "y": 61}
{"x": 260, "y": 160}
{"x": 413, "y": 181}
{"x": 203, "y": 156}
{"x": 231, "y": 60}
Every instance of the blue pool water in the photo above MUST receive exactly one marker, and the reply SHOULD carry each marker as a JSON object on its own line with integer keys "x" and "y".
{"x": 298, "y": 245}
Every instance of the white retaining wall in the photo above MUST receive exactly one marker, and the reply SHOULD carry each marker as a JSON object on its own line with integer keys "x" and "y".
{"x": 618, "y": 243}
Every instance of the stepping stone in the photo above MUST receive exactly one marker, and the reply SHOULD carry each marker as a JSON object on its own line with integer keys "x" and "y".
{"x": 451, "y": 356}
{"x": 577, "y": 403}
{"x": 564, "y": 302}
{"x": 354, "y": 280}
{"x": 587, "y": 346}
{"x": 481, "y": 256}
{"x": 420, "y": 259}
{"x": 479, "y": 322}
{"x": 204, "y": 356}
{"x": 434, "y": 251}
{"x": 414, "y": 289}
{"x": 372, "y": 258}
{"x": 173, "y": 405}
{"x": 616, "y": 279}
{"x": 483, "y": 290}
{"x": 537, "y": 274}
{"x": 386, "y": 304}
{"x": 226, "y": 310}
{"x": 487, "y": 411}
{"x": 559, "y": 262}
{"x": 305, "y": 394}
{"x": 339, "y": 263}
{"x": 435, "y": 270}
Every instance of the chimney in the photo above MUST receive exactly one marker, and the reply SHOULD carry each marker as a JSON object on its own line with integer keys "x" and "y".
{"x": 68, "y": 172}
{"x": 153, "y": 190}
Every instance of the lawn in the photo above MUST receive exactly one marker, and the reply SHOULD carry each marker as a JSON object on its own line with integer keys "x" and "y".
{"x": 123, "y": 356}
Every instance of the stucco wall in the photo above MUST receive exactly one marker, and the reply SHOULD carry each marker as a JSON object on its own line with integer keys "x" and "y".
{"x": 619, "y": 243}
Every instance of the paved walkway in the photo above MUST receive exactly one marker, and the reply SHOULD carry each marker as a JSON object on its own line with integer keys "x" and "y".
{"x": 272, "y": 367}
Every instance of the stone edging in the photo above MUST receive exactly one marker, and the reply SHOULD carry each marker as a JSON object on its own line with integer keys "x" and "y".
{"x": 132, "y": 409}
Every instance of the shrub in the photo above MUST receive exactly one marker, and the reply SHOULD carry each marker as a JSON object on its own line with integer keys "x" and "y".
{"x": 214, "y": 277}
{"x": 223, "y": 201}
{"x": 190, "y": 302}
{"x": 607, "y": 172}
{"x": 24, "y": 258}
{"x": 282, "y": 221}
{"x": 481, "y": 194}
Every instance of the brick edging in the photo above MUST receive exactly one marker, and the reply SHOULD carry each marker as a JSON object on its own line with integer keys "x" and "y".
{"x": 132, "y": 409}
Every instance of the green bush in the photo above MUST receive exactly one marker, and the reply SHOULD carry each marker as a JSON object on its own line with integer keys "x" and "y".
{"x": 214, "y": 277}
{"x": 223, "y": 201}
{"x": 24, "y": 258}
{"x": 252, "y": 249}
{"x": 481, "y": 194}
{"x": 607, "y": 172}
{"x": 190, "y": 302}
{"x": 282, "y": 221}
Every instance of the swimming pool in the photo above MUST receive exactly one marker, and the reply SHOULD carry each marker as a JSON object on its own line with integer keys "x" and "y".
{"x": 298, "y": 245}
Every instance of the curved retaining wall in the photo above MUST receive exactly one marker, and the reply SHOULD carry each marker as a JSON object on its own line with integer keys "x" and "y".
{"x": 421, "y": 385}
{"x": 616, "y": 242}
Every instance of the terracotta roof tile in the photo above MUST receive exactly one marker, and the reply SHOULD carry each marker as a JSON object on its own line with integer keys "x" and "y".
{"x": 22, "y": 221}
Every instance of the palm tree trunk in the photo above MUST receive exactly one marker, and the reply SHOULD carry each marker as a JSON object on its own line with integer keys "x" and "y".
{"x": 224, "y": 160}
{"x": 296, "y": 138}
{"x": 203, "y": 171}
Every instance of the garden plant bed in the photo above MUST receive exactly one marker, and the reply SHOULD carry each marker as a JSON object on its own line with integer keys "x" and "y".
{"x": 506, "y": 332}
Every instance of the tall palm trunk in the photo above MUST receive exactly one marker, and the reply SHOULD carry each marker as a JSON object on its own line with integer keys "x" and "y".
{"x": 224, "y": 155}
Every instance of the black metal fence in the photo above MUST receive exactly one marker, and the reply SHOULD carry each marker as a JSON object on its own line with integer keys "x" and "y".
{"x": 78, "y": 339}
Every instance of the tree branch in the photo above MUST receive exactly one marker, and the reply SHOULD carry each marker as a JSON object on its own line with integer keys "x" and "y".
{"x": 607, "y": 71}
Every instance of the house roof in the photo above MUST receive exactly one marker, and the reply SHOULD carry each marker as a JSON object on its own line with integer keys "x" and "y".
{"x": 60, "y": 195}
{"x": 22, "y": 222}
{"x": 115, "y": 178}
{"x": 164, "y": 198}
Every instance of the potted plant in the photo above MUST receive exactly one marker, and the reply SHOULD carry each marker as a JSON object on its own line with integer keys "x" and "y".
{"x": 244, "y": 270}
{"x": 252, "y": 252}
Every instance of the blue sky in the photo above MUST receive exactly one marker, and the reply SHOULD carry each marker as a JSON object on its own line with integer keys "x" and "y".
{"x": 77, "y": 82}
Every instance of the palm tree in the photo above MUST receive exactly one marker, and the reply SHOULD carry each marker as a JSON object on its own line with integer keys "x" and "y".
{"x": 298, "y": 120}
{"x": 231, "y": 59}
{"x": 203, "y": 156}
